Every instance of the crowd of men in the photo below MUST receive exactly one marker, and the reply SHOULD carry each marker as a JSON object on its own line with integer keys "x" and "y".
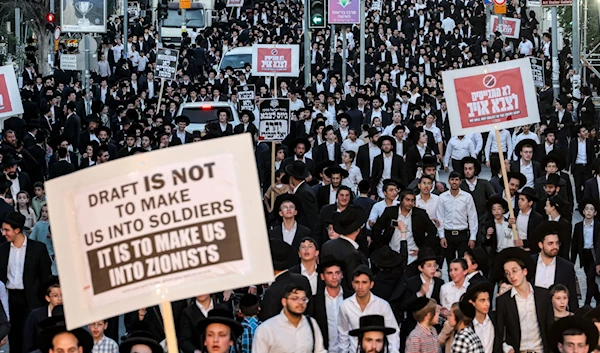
{"x": 360, "y": 223}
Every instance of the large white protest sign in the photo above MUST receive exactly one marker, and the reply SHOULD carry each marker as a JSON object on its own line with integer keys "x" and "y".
{"x": 157, "y": 227}
{"x": 10, "y": 97}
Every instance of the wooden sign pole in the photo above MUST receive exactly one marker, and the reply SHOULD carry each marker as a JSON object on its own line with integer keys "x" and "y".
{"x": 273, "y": 153}
{"x": 160, "y": 93}
{"x": 511, "y": 212}
{"x": 169, "y": 323}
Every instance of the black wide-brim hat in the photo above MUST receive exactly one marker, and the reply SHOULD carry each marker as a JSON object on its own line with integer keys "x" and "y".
{"x": 428, "y": 161}
{"x": 555, "y": 156}
{"x": 385, "y": 257}
{"x": 328, "y": 261}
{"x": 282, "y": 255}
{"x": 249, "y": 113}
{"x": 8, "y": 160}
{"x": 15, "y": 219}
{"x": 287, "y": 198}
{"x": 508, "y": 254}
{"x": 519, "y": 176}
{"x": 541, "y": 230}
{"x": 554, "y": 179}
{"x": 475, "y": 162}
{"x": 370, "y": 323}
{"x": 344, "y": 115}
{"x": 140, "y": 337}
{"x": 298, "y": 170}
{"x": 182, "y": 118}
{"x": 425, "y": 254}
{"x": 350, "y": 220}
{"x": 480, "y": 256}
{"x": 591, "y": 201}
{"x": 527, "y": 191}
{"x": 497, "y": 200}
{"x": 485, "y": 286}
{"x": 523, "y": 143}
{"x": 4, "y": 182}
{"x": 54, "y": 325}
{"x": 221, "y": 316}
{"x": 387, "y": 138}
{"x": 466, "y": 307}
{"x": 336, "y": 170}
{"x": 302, "y": 140}
{"x": 584, "y": 324}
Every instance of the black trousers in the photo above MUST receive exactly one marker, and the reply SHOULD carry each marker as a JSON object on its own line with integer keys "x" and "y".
{"x": 587, "y": 261}
{"x": 581, "y": 173}
{"x": 456, "y": 166}
{"x": 457, "y": 245}
{"x": 19, "y": 311}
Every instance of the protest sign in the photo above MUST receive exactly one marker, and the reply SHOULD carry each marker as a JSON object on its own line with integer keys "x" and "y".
{"x": 496, "y": 96}
{"x": 275, "y": 60}
{"x": 557, "y": 2}
{"x": 157, "y": 227}
{"x": 510, "y": 27}
{"x": 377, "y": 5}
{"x": 274, "y": 119}
{"x": 537, "y": 70}
{"x": 344, "y": 12}
{"x": 235, "y": 3}
{"x": 246, "y": 98}
{"x": 166, "y": 64}
{"x": 10, "y": 97}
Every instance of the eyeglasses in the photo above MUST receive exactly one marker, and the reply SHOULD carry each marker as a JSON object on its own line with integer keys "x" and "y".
{"x": 514, "y": 271}
{"x": 305, "y": 300}
{"x": 285, "y": 208}
{"x": 307, "y": 247}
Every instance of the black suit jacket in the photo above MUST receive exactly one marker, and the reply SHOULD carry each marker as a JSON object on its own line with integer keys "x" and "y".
{"x": 343, "y": 250}
{"x": 577, "y": 242}
{"x": 40, "y": 156}
{"x": 32, "y": 329}
{"x": 565, "y": 275}
{"x": 271, "y": 303}
{"x": 321, "y": 311}
{"x": 153, "y": 321}
{"x": 398, "y": 170}
{"x": 591, "y": 189}
{"x": 301, "y": 232}
{"x": 239, "y": 128}
{"x": 413, "y": 286}
{"x": 188, "y": 335}
{"x": 309, "y": 212}
{"x": 423, "y": 228}
{"x": 572, "y": 156}
{"x": 363, "y": 161}
{"x": 508, "y": 328}
{"x": 535, "y": 219}
{"x": 413, "y": 157}
{"x": 60, "y": 168}
{"x": 323, "y": 197}
{"x": 35, "y": 271}
{"x": 537, "y": 169}
{"x": 324, "y": 155}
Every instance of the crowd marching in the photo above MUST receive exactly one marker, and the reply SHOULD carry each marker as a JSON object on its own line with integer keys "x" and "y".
{"x": 362, "y": 227}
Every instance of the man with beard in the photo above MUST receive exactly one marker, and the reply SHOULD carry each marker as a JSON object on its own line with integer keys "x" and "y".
{"x": 554, "y": 163}
{"x": 387, "y": 165}
{"x": 300, "y": 146}
{"x": 290, "y": 331}
{"x": 553, "y": 185}
{"x": 20, "y": 180}
{"x": 90, "y": 134}
{"x": 101, "y": 154}
{"x": 367, "y": 153}
{"x": 372, "y": 334}
{"x": 515, "y": 182}
{"x": 130, "y": 143}
{"x": 9, "y": 141}
{"x": 104, "y": 137}
{"x": 480, "y": 189}
{"x": 326, "y": 195}
{"x": 550, "y": 268}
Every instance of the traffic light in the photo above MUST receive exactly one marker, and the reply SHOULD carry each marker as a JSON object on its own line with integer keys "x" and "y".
{"x": 316, "y": 14}
{"x": 50, "y": 25}
{"x": 163, "y": 9}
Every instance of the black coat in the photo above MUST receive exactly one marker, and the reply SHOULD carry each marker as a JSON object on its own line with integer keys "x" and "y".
{"x": 40, "y": 156}
{"x": 565, "y": 275}
{"x": 508, "y": 328}
{"x": 363, "y": 161}
{"x": 572, "y": 156}
{"x": 398, "y": 170}
{"x": 32, "y": 329}
{"x": 323, "y": 196}
{"x": 321, "y": 311}
{"x": 342, "y": 250}
{"x": 591, "y": 189}
{"x": 153, "y": 321}
{"x": 423, "y": 229}
{"x": 301, "y": 232}
{"x": 309, "y": 213}
{"x": 72, "y": 130}
{"x": 324, "y": 155}
{"x": 271, "y": 303}
{"x": 413, "y": 286}
{"x": 60, "y": 168}
{"x": 577, "y": 242}
{"x": 239, "y": 128}
{"x": 35, "y": 270}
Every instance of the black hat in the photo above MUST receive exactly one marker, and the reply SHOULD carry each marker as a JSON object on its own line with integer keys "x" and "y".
{"x": 425, "y": 254}
{"x": 554, "y": 179}
{"x": 555, "y": 156}
{"x": 55, "y": 325}
{"x": 561, "y": 204}
{"x": 4, "y": 182}
{"x": 573, "y": 322}
{"x": 221, "y": 316}
{"x": 497, "y": 200}
{"x": 125, "y": 121}
{"x": 549, "y": 130}
{"x": 328, "y": 261}
{"x": 527, "y": 191}
{"x": 287, "y": 198}
{"x": 585, "y": 90}
{"x": 104, "y": 128}
{"x": 282, "y": 255}
{"x": 336, "y": 170}
{"x": 470, "y": 159}
{"x": 34, "y": 123}
{"x": 543, "y": 229}
{"x": 8, "y": 160}
{"x": 385, "y": 257}
{"x": 512, "y": 253}
{"x": 387, "y": 138}
{"x": 516, "y": 175}
{"x": 479, "y": 256}
{"x": 140, "y": 337}
{"x": 323, "y": 165}
{"x": 251, "y": 117}
{"x": 303, "y": 141}
{"x": 523, "y": 143}
{"x": 93, "y": 118}
{"x": 428, "y": 161}
{"x": 15, "y": 219}
{"x": 350, "y": 220}
{"x": 419, "y": 304}
{"x": 182, "y": 118}
{"x": 466, "y": 307}
{"x": 591, "y": 201}
{"x": 344, "y": 115}
{"x": 370, "y": 323}
{"x": 404, "y": 93}
{"x": 297, "y": 170}
{"x": 249, "y": 300}
{"x": 372, "y": 132}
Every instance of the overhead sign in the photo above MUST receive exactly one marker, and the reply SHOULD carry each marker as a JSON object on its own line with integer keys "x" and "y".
{"x": 86, "y": 16}
{"x": 235, "y": 3}
{"x": 185, "y": 4}
{"x": 157, "y": 227}
{"x": 510, "y": 27}
{"x": 377, "y": 5}
{"x": 10, "y": 97}
{"x": 275, "y": 60}
{"x": 557, "y": 2}
{"x": 68, "y": 62}
{"x": 246, "y": 98}
{"x": 344, "y": 11}
{"x": 500, "y": 9}
{"x": 166, "y": 64}
{"x": 537, "y": 70}
{"x": 274, "y": 119}
{"x": 495, "y": 96}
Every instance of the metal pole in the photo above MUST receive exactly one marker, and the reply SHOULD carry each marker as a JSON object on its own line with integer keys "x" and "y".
{"x": 183, "y": 20}
{"x": 125, "y": 29}
{"x": 154, "y": 11}
{"x": 576, "y": 40}
{"x": 362, "y": 42}
{"x": 52, "y": 6}
{"x": 307, "y": 56}
{"x": 332, "y": 50}
{"x": 18, "y": 44}
{"x": 584, "y": 39}
{"x": 86, "y": 41}
{"x": 555, "y": 68}
{"x": 344, "y": 59}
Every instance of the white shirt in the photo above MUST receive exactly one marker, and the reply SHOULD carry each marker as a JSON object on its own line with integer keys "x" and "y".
{"x": 581, "y": 152}
{"x": 312, "y": 278}
{"x": 330, "y": 150}
{"x": 430, "y": 206}
{"x": 530, "y": 332}
{"x": 279, "y": 335}
{"x": 354, "y": 177}
{"x": 374, "y": 151}
{"x": 522, "y": 223}
{"x": 205, "y": 310}
{"x": 492, "y": 146}
{"x": 486, "y": 334}
{"x": 430, "y": 290}
{"x": 332, "y": 194}
{"x": 544, "y": 275}
{"x": 527, "y": 170}
{"x": 377, "y": 210}
{"x": 588, "y": 235}
{"x": 457, "y": 213}
{"x": 387, "y": 172}
{"x": 410, "y": 240}
{"x": 450, "y": 293}
{"x": 16, "y": 265}
{"x": 350, "y": 314}
{"x": 16, "y": 184}
{"x": 332, "y": 309}
{"x": 459, "y": 149}
{"x": 504, "y": 236}
{"x": 348, "y": 145}
{"x": 549, "y": 148}
{"x": 288, "y": 235}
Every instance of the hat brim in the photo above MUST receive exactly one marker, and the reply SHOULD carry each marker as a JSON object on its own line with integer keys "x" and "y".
{"x": 291, "y": 172}
{"x": 573, "y": 322}
{"x": 127, "y": 344}
{"x": 522, "y": 178}
{"x": 303, "y": 141}
{"x": 336, "y": 170}
{"x": 386, "y": 138}
{"x": 358, "y": 222}
{"x": 523, "y": 143}
{"x": 362, "y": 330}
{"x": 84, "y": 338}
{"x": 589, "y": 200}
{"x": 475, "y": 162}
{"x": 497, "y": 200}
{"x": 509, "y": 254}
{"x": 236, "y": 328}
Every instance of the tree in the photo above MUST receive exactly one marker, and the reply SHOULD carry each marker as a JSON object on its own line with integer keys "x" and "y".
{"x": 35, "y": 11}
{"x": 565, "y": 20}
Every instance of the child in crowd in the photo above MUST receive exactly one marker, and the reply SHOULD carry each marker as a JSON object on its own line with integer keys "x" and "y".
{"x": 249, "y": 306}
{"x": 446, "y": 336}
{"x": 451, "y": 292}
{"x": 24, "y": 207}
{"x": 560, "y": 299}
{"x": 102, "y": 344}
{"x": 40, "y": 197}
{"x": 424, "y": 337}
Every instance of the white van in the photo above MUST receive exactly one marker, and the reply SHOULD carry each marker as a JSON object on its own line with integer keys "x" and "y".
{"x": 199, "y": 16}
{"x": 201, "y": 113}
{"x": 236, "y": 58}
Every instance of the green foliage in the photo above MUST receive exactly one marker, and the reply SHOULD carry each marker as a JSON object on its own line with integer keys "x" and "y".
{"x": 565, "y": 17}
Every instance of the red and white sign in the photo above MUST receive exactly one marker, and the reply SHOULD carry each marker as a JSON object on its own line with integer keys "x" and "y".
{"x": 279, "y": 60}
{"x": 10, "y": 97}
{"x": 484, "y": 98}
{"x": 510, "y": 28}
{"x": 235, "y": 3}
{"x": 57, "y": 33}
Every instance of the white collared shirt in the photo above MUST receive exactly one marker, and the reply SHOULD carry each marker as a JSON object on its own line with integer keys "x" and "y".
{"x": 377, "y": 210}
{"x": 530, "y": 332}
{"x": 544, "y": 275}
{"x": 289, "y": 235}
{"x": 387, "y": 173}
{"x": 279, "y": 335}
{"x": 459, "y": 149}
{"x": 588, "y": 235}
{"x": 332, "y": 194}
{"x": 457, "y": 213}
{"x": 330, "y": 150}
{"x": 332, "y": 309}
{"x": 527, "y": 170}
{"x": 374, "y": 151}
{"x": 205, "y": 310}
{"x": 297, "y": 186}
{"x": 16, "y": 266}
{"x": 486, "y": 333}
{"x": 312, "y": 278}
{"x": 450, "y": 293}
{"x": 581, "y": 152}
{"x": 504, "y": 236}
{"x": 430, "y": 206}
{"x": 522, "y": 223}
{"x": 410, "y": 240}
